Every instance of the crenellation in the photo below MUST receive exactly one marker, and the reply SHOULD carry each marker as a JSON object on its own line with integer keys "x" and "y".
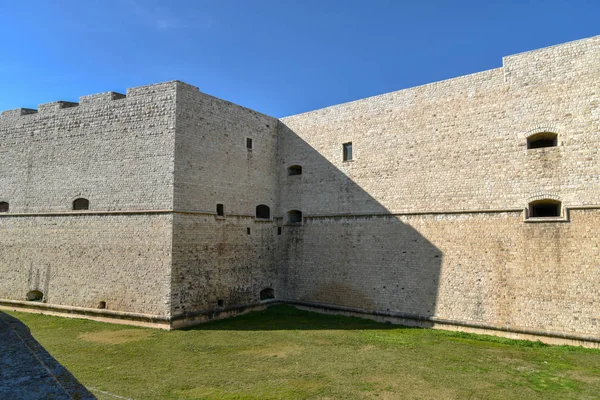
{"x": 101, "y": 98}
{"x": 17, "y": 112}
{"x": 156, "y": 89}
{"x": 48, "y": 108}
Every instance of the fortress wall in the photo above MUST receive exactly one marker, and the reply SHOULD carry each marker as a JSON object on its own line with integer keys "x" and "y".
{"x": 213, "y": 164}
{"x": 214, "y": 258}
{"x": 116, "y": 152}
{"x": 80, "y": 260}
{"x": 457, "y": 144}
{"x": 485, "y": 268}
{"x": 397, "y": 228}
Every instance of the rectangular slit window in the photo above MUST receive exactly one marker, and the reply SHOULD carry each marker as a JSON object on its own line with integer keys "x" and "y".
{"x": 347, "y": 151}
{"x": 279, "y": 230}
{"x": 247, "y": 231}
{"x": 220, "y": 210}
{"x": 249, "y": 143}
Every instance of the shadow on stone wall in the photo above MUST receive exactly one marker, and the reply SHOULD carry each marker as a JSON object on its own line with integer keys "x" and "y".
{"x": 350, "y": 250}
{"x": 28, "y": 371}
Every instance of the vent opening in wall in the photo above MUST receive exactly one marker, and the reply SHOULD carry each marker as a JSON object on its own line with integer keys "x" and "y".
{"x": 220, "y": 210}
{"x": 3, "y": 206}
{"x": 249, "y": 143}
{"x": 34, "y": 295}
{"x": 294, "y": 217}
{"x": 347, "y": 151}
{"x": 542, "y": 139}
{"x": 81, "y": 204}
{"x": 220, "y": 303}
{"x": 263, "y": 212}
{"x": 544, "y": 208}
{"x": 267, "y": 294}
{"x": 102, "y": 305}
{"x": 295, "y": 170}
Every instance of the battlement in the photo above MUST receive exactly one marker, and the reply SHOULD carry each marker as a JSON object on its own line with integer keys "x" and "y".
{"x": 167, "y": 88}
{"x": 17, "y": 112}
{"x": 101, "y": 98}
{"x": 51, "y": 107}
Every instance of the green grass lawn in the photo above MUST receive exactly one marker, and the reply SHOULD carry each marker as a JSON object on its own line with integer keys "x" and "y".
{"x": 284, "y": 353}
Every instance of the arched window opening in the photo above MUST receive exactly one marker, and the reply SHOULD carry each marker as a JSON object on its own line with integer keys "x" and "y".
{"x": 267, "y": 294}
{"x": 81, "y": 204}
{"x": 35, "y": 295}
{"x": 263, "y": 212}
{"x": 295, "y": 170}
{"x": 542, "y": 139}
{"x": 3, "y": 206}
{"x": 294, "y": 217}
{"x": 544, "y": 208}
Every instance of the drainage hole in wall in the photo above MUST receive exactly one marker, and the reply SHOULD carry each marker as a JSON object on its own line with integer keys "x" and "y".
{"x": 35, "y": 295}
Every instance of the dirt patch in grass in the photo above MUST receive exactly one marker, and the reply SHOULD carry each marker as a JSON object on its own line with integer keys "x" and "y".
{"x": 283, "y": 351}
{"x": 116, "y": 337}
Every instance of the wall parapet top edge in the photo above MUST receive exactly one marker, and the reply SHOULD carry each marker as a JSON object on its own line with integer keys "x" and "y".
{"x": 18, "y": 112}
{"x": 551, "y": 47}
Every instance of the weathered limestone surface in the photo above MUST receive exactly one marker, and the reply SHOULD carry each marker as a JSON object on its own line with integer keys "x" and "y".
{"x": 424, "y": 156}
{"x": 215, "y": 258}
{"x": 116, "y": 152}
{"x": 427, "y": 220}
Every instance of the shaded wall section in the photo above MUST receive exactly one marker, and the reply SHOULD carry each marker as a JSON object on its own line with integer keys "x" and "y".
{"x": 427, "y": 219}
{"x": 358, "y": 254}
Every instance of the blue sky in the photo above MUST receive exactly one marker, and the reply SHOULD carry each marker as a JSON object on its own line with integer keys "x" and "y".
{"x": 279, "y": 57}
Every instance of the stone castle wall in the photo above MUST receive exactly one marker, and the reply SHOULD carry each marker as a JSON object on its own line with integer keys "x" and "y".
{"x": 116, "y": 151}
{"x": 217, "y": 258}
{"x": 428, "y": 217}
{"x": 427, "y": 220}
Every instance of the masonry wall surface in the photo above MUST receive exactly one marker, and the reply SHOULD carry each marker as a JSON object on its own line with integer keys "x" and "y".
{"x": 427, "y": 219}
{"x": 82, "y": 260}
{"x": 215, "y": 258}
{"x": 118, "y": 152}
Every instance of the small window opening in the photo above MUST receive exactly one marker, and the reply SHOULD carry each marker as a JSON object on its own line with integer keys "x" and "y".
{"x": 247, "y": 231}
{"x": 249, "y": 143}
{"x": 81, "y": 204}
{"x": 347, "y": 151}
{"x": 543, "y": 139}
{"x": 279, "y": 230}
{"x": 220, "y": 210}
{"x": 35, "y": 295}
{"x": 295, "y": 170}
{"x": 102, "y": 305}
{"x": 267, "y": 294}
{"x": 294, "y": 217}
{"x": 263, "y": 212}
{"x": 220, "y": 303}
{"x": 544, "y": 208}
{"x": 3, "y": 206}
